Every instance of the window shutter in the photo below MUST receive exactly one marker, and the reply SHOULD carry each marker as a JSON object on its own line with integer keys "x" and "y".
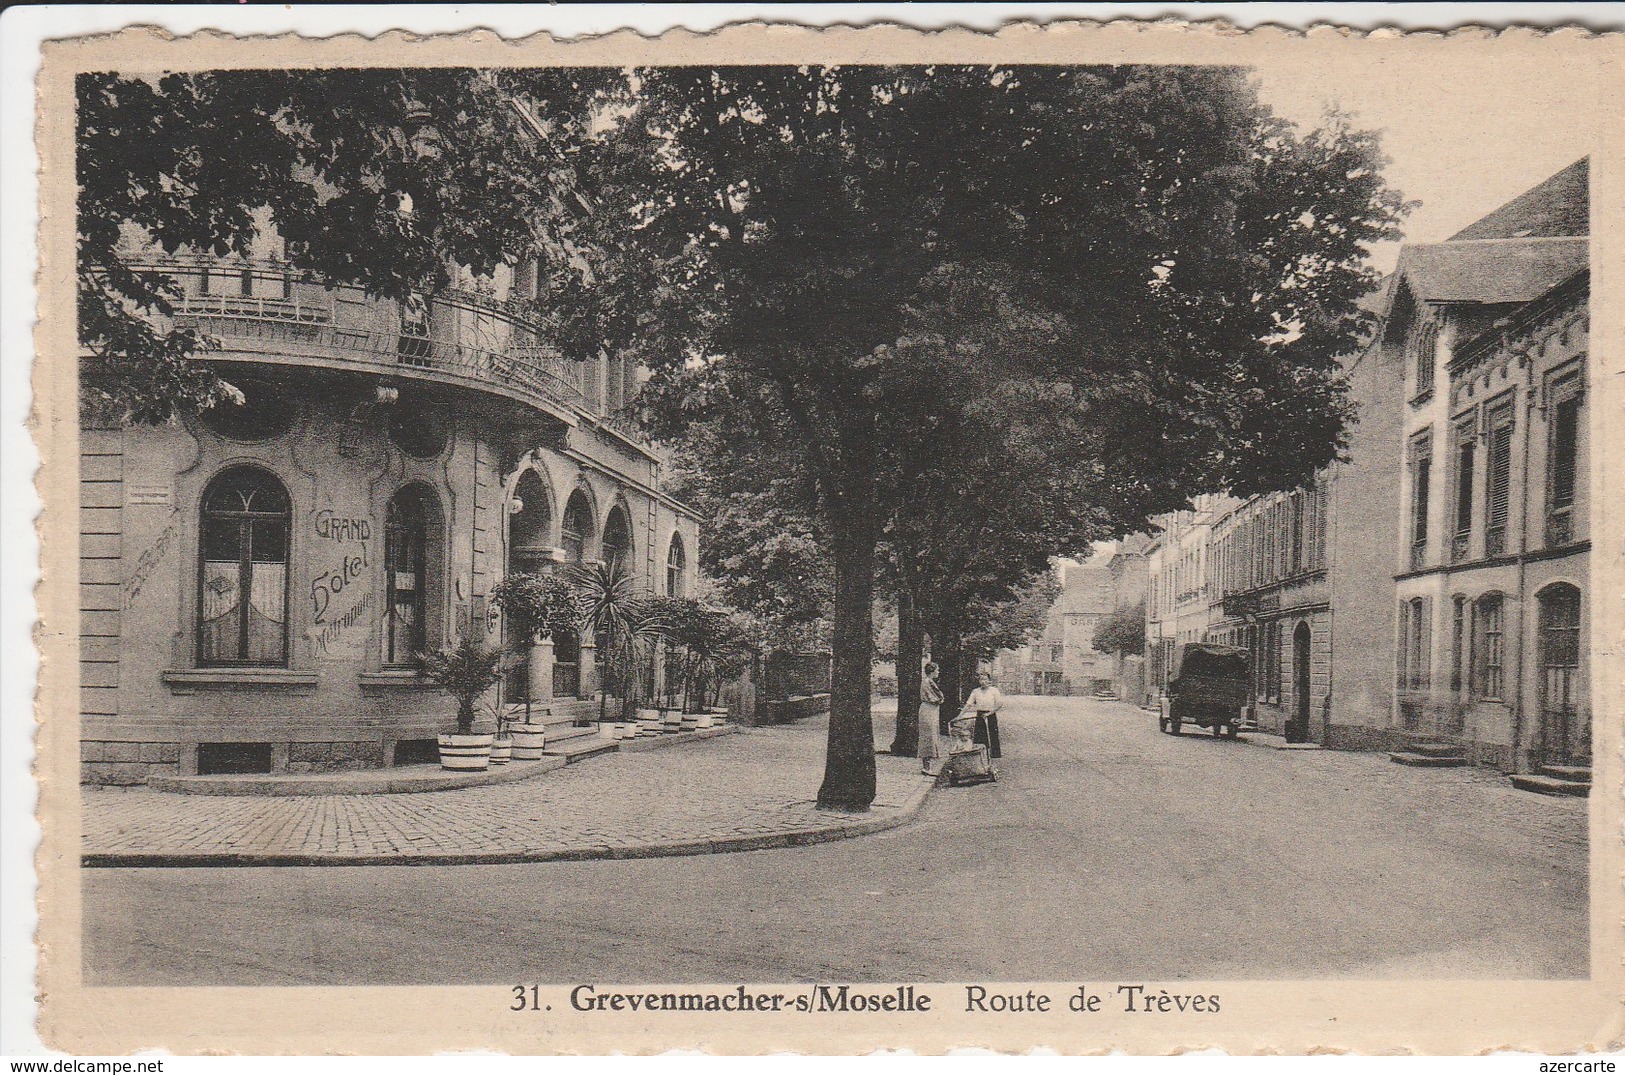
{"x": 1565, "y": 448}
{"x": 1464, "y": 489}
{"x": 1499, "y": 479}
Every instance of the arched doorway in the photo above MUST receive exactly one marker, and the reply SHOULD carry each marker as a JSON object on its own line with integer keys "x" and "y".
{"x": 1297, "y": 729}
{"x": 530, "y": 552}
{"x": 575, "y": 535}
{"x": 1565, "y": 732}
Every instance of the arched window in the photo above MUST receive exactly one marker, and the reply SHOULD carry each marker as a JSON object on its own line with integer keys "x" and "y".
{"x": 577, "y": 528}
{"x": 618, "y": 540}
{"x": 411, "y": 562}
{"x": 676, "y": 566}
{"x": 243, "y": 570}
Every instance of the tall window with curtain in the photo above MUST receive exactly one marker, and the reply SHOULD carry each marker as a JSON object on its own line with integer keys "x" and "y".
{"x": 1466, "y": 457}
{"x": 243, "y": 570}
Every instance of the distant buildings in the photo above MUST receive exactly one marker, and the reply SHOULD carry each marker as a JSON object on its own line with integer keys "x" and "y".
{"x": 1064, "y": 660}
{"x": 1182, "y": 604}
{"x": 1428, "y": 595}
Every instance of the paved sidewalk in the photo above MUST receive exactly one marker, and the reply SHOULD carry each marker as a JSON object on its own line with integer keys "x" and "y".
{"x": 741, "y": 792}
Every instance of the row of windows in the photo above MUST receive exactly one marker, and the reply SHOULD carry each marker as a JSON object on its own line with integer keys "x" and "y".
{"x": 1280, "y": 540}
{"x": 1482, "y": 477}
{"x": 1478, "y": 643}
{"x": 245, "y": 522}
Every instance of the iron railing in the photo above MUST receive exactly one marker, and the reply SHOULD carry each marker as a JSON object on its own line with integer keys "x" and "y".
{"x": 460, "y": 332}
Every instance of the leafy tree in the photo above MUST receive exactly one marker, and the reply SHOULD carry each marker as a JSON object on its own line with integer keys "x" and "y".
{"x": 1180, "y": 266}
{"x": 1122, "y": 632}
{"x": 763, "y": 548}
{"x": 384, "y": 179}
{"x": 1013, "y": 621}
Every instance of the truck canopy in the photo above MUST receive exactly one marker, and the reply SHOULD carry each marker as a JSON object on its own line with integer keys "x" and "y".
{"x": 1210, "y": 660}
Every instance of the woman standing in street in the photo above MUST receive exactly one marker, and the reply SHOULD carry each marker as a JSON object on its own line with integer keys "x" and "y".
{"x": 986, "y": 701}
{"x": 930, "y": 702}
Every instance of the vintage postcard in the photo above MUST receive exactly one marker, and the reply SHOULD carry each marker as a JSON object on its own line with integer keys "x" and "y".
{"x": 1089, "y": 536}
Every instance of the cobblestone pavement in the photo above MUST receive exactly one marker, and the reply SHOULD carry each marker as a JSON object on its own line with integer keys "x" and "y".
{"x": 1105, "y": 852}
{"x": 737, "y": 790}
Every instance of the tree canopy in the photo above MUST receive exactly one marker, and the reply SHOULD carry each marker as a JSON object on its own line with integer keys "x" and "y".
{"x": 860, "y": 263}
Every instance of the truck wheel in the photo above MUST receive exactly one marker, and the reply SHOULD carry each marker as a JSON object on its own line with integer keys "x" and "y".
{"x": 1173, "y": 727}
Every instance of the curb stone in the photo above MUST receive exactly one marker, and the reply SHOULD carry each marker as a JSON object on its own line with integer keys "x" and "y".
{"x": 840, "y": 830}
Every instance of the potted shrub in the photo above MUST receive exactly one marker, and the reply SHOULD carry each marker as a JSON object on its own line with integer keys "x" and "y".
{"x": 465, "y": 673}
{"x": 534, "y": 608}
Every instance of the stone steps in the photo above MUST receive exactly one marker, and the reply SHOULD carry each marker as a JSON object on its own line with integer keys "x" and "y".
{"x": 579, "y": 748}
{"x": 1427, "y": 761}
{"x": 1580, "y": 773}
{"x": 1550, "y": 785}
{"x": 1435, "y": 748}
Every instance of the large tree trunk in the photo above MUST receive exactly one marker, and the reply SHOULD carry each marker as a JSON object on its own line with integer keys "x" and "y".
{"x": 946, "y": 651}
{"x": 849, "y": 765}
{"x": 910, "y": 641}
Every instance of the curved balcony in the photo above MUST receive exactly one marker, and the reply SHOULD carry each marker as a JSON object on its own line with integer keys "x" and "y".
{"x": 267, "y": 312}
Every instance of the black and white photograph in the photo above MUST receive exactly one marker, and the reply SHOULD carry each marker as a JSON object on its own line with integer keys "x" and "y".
{"x": 803, "y": 522}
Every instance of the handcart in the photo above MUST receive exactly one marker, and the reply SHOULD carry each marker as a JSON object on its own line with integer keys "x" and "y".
{"x": 968, "y": 762}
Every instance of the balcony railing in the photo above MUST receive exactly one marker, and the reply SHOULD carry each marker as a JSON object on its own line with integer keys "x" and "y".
{"x": 459, "y": 333}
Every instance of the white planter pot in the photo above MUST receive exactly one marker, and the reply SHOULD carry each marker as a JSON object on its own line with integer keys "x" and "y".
{"x": 466, "y": 753}
{"x": 702, "y": 720}
{"x": 501, "y": 751}
{"x": 528, "y": 740}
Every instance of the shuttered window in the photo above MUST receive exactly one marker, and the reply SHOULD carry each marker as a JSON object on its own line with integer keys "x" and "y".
{"x": 1565, "y": 445}
{"x": 1498, "y": 480}
{"x": 1562, "y": 464}
{"x": 1490, "y": 657}
{"x": 1421, "y": 495}
{"x": 1464, "y": 487}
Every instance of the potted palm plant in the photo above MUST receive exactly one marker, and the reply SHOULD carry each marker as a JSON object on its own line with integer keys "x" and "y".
{"x": 627, "y": 626}
{"x": 465, "y": 672}
{"x": 537, "y": 608}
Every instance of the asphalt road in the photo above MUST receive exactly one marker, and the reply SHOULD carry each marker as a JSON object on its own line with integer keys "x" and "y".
{"x": 1106, "y": 850}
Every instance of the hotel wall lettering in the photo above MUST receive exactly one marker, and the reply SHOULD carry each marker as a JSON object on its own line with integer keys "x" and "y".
{"x": 341, "y": 594}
